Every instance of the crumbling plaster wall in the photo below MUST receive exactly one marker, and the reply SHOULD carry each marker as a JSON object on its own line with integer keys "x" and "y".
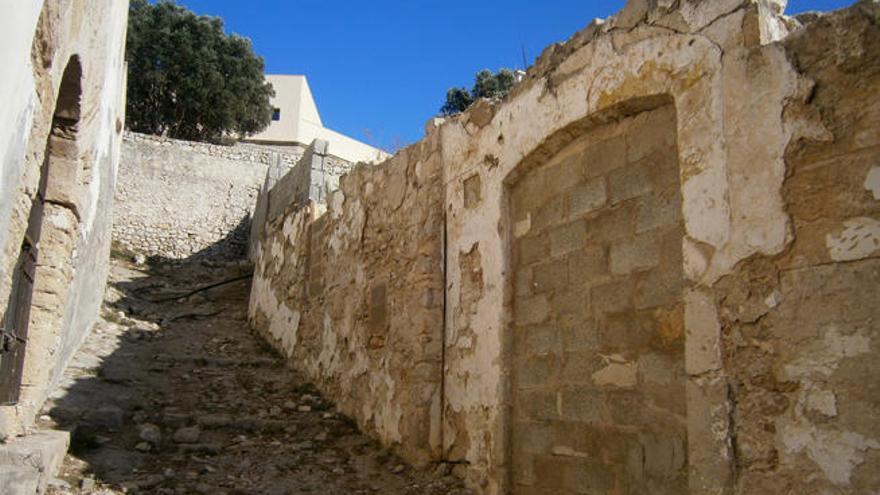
{"x": 776, "y": 135}
{"x": 351, "y": 292}
{"x": 40, "y": 39}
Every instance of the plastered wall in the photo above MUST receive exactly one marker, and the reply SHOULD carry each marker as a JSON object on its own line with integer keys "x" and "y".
{"x": 42, "y": 40}
{"x": 751, "y": 302}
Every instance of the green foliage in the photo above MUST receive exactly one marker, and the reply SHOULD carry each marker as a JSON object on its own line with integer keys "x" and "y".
{"x": 486, "y": 85}
{"x": 188, "y": 80}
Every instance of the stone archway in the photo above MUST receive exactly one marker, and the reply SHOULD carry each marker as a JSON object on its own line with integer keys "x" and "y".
{"x": 39, "y": 298}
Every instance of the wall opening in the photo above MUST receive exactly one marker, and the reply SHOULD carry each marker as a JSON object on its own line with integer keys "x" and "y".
{"x": 597, "y": 377}
{"x": 35, "y": 309}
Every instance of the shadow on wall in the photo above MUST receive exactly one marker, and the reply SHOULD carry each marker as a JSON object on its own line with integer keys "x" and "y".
{"x": 232, "y": 247}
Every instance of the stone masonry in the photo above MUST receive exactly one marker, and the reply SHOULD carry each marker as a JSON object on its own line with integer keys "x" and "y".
{"x": 598, "y": 375}
{"x": 650, "y": 269}
{"x": 176, "y": 199}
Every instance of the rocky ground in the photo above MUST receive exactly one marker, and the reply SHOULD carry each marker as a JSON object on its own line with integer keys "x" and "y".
{"x": 172, "y": 394}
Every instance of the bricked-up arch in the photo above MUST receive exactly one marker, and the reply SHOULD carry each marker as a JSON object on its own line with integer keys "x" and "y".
{"x": 52, "y": 234}
{"x": 602, "y": 83}
{"x": 598, "y": 384}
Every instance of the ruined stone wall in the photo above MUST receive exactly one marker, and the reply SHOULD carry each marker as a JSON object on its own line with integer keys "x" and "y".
{"x": 801, "y": 330}
{"x": 659, "y": 263}
{"x": 353, "y": 297}
{"x": 63, "y": 90}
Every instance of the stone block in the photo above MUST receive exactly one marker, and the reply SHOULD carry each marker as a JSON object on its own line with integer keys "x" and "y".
{"x": 17, "y": 480}
{"x": 656, "y": 136}
{"x": 703, "y": 333}
{"x": 586, "y": 198}
{"x": 532, "y": 249}
{"x": 567, "y": 238}
{"x": 578, "y": 366}
{"x": 536, "y": 371}
{"x": 588, "y": 265}
{"x": 549, "y": 214}
{"x": 42, "y": 452}
{"x": 605, "y": 156}
{"x": 657, "y": 210}
{"x": 523, "y": 468}
{"x": 549, "y": 471}
{"x": 582, "y": 403}
{"x": 532, "y": 437}
{"x": 523, "y": 285}
{"x": 539, "y": 339}
{"x": 580, "y": 335}
{"x": 639, "y": 253}
{"x": 531, "y": 310}
{"x": 587, "y": 476}
{"x": 628, "y": 182}
{"x": 625, "y": 407}
{"x": 562, "y": 176}
{"x": 537, "y": 405}
{"x": 612, "y": 223}
{"x": 570, "y": 304}
{"x": 664, "y": 455}
{"x": 612, "y": 297}
{"x": 661, "y": 286}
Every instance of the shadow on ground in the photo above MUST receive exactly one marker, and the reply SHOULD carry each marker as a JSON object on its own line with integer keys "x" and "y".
{"x": 172, "y": 393}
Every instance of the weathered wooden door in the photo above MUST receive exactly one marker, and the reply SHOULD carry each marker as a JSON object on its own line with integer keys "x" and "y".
{"x": 13, "y": 333}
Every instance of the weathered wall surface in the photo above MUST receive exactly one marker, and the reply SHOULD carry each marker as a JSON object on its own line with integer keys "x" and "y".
{"x": 354, "y": 297}
{"x": 801, "y": 330}
{"x": 719, "y": 244}
{"x": 68, "y": 134}
{"x": 176, "y": 198}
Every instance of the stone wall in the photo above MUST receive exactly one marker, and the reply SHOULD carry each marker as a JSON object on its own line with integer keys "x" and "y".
{"x": 657, "y": 265}
{"x": 177, "y": 199}
{"x": 63, "y": 90}
{"x": 353, "y": 296}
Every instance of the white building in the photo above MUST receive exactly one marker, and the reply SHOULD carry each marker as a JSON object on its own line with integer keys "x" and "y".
{"x": 296, "y": 122}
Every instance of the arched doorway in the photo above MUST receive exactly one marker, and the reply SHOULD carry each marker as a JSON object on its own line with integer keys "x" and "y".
{"x": 39, "y": 285}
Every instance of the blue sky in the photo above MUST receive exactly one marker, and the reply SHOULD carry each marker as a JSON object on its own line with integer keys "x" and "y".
{"x": 380, "y": 69}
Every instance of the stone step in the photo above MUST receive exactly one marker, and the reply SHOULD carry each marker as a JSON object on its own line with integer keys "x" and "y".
{"x": 37, "y": 456}
{"x": 16, "y": 480}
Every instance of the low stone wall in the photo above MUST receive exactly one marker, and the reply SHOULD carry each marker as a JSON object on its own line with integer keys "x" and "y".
{"x": 353, "y": 297}
{"x": 177, "y": 199}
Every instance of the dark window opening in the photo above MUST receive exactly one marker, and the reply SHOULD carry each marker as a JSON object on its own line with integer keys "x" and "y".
{"x": 276, "y": 114}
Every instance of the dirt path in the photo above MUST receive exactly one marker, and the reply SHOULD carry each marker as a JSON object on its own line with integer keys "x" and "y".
{"x": 179, "y": 397}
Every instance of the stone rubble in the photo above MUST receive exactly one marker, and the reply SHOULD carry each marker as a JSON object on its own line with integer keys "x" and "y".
{"x": 162, "y": 399}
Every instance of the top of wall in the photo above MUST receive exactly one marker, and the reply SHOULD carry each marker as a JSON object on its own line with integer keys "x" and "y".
{"x": 240, "y": 152}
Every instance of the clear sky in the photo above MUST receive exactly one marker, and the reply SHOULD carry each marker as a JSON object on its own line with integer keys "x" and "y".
{"x": 380, "y": 69}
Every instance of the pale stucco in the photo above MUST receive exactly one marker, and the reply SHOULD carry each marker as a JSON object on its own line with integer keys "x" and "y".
{"x": 300, "y": 123}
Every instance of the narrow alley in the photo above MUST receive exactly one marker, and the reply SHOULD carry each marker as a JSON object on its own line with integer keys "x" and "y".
{"x": 172, "y": 394}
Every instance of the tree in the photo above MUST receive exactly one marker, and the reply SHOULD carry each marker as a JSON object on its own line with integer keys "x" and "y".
{"x": 486, "y": 85}
{"x": 188, "y": 79}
